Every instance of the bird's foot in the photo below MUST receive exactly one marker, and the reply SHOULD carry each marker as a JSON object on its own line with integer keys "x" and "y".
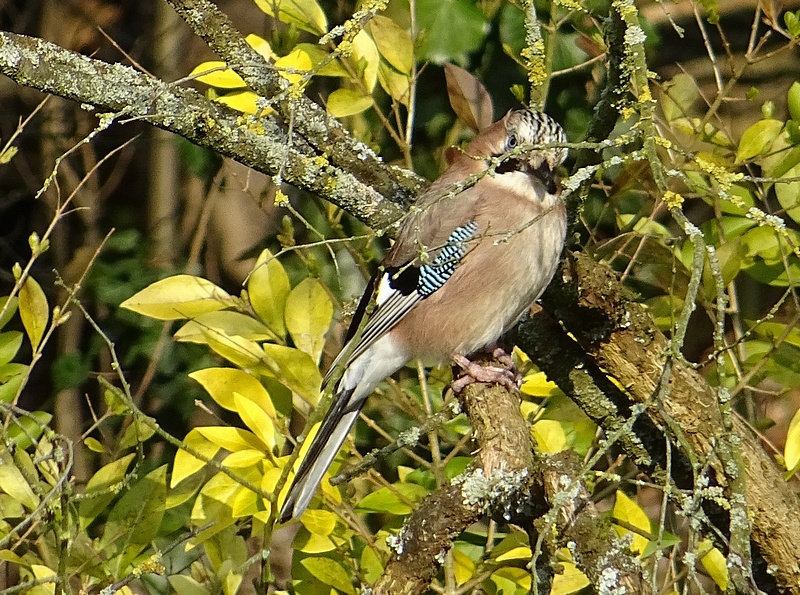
{"x": 475, "y": 372}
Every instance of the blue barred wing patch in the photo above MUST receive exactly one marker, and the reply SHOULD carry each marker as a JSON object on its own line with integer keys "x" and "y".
{"x": 432, "y": 276}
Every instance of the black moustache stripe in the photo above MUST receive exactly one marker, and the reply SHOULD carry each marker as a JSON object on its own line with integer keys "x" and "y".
{"x": 543, "y": 172}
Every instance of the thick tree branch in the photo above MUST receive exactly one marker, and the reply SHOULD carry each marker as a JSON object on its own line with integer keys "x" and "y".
{"x": 507, "y": 481}
{"x": 261, "y": 144}
{"x": 325, "y": 133}
{"x": 619, "y": 336}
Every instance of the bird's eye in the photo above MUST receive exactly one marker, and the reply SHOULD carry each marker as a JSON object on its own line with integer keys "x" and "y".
{"x": 512, "y": 141}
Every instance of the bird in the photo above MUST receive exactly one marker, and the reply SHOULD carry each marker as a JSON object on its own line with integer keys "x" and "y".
{"x": 474, "y": 253}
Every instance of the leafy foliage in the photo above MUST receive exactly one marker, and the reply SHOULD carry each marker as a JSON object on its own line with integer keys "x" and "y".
{"x": 200, "y": 516}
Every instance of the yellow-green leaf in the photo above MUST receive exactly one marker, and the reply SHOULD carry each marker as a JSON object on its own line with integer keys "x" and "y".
{"x": 346, "y": 102}
{"x": 791, "y": 451}
{"x": 33, "y": 311}
{"x": 223, "y": 383}
{"x": 714, "y": 563}
{"x": 261, "y": 45}
{"x": 396, "y": 84}
{"x": 13, "y": 483}
{"x": 396, "y": 500}
{"x": 329, "y": 572}
{"x": 463, "y": 567}
{"x": 227, "y": 322}
{"x": 255, "y": 418}
{"x": 242, "y": 101}
{"x": 788, "y": 193}
{"x": 10, "y": 342}
{"x": 103, "y": 487}
{"x": 186, "y": 464}
{"x": 244, "y": 353}
{"x": 94, "y": 445}
{"x": 304, "y": 14}
{"x": 628, "y": 511}
{"x": 180, "y": 296}
{"x": 309, "y": 312}
{"x": 549, "y": 435}
{"x": 758, "y": 139}
{"x": 243, "y": 458}
{"x": 536, "y": 384}
{"x": 371, "y": 565}
{"x": 295, "y": 369}
{"x": 294, "y": 65}
{"x": 571, "y": 580}
{"x": 231, "y": 439}
{"x": 393, "y": 43}
{"x": 367, "y": 59}
{"x": 217, "y": 74}
{"x": 268, "y": 288}
{"x": 8, "y": 307}
{"x": 319, "y": 522}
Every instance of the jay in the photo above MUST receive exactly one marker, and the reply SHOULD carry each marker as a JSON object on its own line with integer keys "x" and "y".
{"x": 475, "y": 252}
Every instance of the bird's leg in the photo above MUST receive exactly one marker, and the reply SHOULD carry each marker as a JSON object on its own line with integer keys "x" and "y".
{"x": 476, "y": 372}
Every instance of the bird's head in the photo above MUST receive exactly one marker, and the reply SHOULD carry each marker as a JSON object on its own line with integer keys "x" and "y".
{"x": 518, "y": 129}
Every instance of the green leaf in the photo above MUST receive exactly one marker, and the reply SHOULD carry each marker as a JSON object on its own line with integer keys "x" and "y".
{"x": 227, "y": 322}
{"x": 10, "y": 342}
{"x": 329, "y": 572}
{"x": 393, "y": 43}
{"x": 792, "y": 21}
{"x": 268, "y": 287}
{"x": 33, "y": 311}
{"x": 371, "y": 565}
{"x": 449, "y": 29}
{"x": 11, "y": 377}
{"x": 793, "y": 99}
{"x": 788, "y": 193}
{"x": 136, "y": 433}
{"x": 9, "y": 310}
{"x": 304, "y": 14}
{"x": 680, "y": 96}
{"x": 309, "y": 312}
{"x": 134, "y": 521}
{"x": 396, "y": 84}
{"x": 346, "y": 102}
{"x": 102, "y": 488}
{"x": 183, "y": 584}
{"x": 223, "y": 383}
{"x": 757, "y": 139}
{"x": 510, "y": 580}
{"x": 295, "y": 369}
{"x": 23, "y": 431}
{"x": 394, "y": 500}
{"x": 180, "y": 296}
{"x": 13, "y": 483}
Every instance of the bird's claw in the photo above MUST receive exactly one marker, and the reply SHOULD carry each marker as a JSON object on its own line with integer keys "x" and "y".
{"x": 475, "y": 372}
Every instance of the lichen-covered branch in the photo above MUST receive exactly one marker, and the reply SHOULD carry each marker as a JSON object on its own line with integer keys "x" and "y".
{"x": 325, "y": 133}
{"x": 508, "y": 482}
{"x": 620, "y": 337}
{"x": 262, "y": 144}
